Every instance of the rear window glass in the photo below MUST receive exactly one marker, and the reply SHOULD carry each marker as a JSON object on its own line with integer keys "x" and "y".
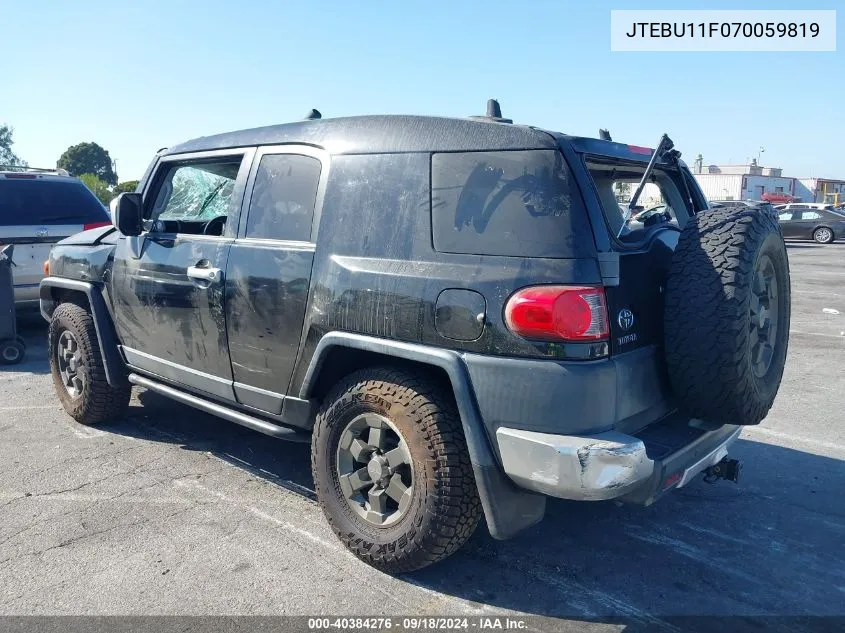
{"x": 519, "y": 204}
{"x": 35, "y": 201}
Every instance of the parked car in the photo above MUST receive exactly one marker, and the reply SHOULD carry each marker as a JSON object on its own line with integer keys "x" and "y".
{"x": 39, "y": 207}
{"x": 822, "y": 206}
{"x": 777, "y": 198}
{"x": 809, "y": 221}
{"x": 455, "y": 313}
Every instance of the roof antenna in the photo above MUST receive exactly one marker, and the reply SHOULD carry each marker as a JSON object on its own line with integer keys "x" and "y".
{"x": 604, "y": 135}
{"x": 494, "y": 110}
{"x": 494, "y": 113}
{"x": 313, "y": 115}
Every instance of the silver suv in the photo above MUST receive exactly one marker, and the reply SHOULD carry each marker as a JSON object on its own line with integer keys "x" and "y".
{"x": 39, "y": 207}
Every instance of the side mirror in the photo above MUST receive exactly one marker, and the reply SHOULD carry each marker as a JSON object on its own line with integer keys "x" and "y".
{"x": 127, "y": 213}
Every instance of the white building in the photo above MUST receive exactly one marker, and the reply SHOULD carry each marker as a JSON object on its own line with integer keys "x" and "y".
{"x": 741, "y": 182}
{"x": 750, "y": 182}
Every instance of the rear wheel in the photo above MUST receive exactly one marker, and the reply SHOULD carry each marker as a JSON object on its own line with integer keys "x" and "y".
{"x": 76, "y": 364}
{"x": 392, "y": 471}
{"x": 823, "y": 235}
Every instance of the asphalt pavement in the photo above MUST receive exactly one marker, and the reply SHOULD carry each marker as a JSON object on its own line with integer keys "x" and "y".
{"x": 172, "y": 511}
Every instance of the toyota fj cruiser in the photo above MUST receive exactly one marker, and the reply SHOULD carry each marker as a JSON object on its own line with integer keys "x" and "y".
{"x": 462, "y": 316}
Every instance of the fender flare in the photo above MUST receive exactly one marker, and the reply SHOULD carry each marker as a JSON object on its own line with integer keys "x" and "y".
{"x": 106, "y": 337}
{"x": 508, "y": 509}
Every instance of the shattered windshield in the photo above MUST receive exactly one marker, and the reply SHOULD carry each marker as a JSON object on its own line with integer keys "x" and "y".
{"x": 198, "y": 192}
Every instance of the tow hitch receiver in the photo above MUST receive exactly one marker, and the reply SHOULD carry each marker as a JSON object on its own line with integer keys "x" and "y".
{"x": 726, "y": 469}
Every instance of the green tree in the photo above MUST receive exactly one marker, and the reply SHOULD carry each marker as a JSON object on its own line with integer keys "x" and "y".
{"x": 127, "y": 186}
{"x": 7, "y": 156}
{"x": 98, "y": 187}
{"x": 88, "y": 158}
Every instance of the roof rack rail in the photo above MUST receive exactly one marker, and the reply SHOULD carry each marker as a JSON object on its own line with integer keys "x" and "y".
{"x": 39, "y": 170}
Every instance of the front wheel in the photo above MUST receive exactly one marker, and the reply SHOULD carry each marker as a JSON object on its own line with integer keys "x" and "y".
{"x": 823, "y": 235}
{"x": 76, "y": 364}
{"x": 392, "y": 471}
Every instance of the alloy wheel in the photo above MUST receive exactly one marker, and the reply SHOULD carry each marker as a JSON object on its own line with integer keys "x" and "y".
{"x": 375, "y": 470}
{"x": 763, "y": 324}
{"x": 69, "y": 358}
{"x": 823, "y": 235}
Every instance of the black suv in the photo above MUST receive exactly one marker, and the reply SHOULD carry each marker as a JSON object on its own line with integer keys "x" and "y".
{"x": 456, "y": 313}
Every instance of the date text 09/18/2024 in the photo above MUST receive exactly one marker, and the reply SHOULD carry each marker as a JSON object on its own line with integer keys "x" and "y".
{"x": 485, "y": 623}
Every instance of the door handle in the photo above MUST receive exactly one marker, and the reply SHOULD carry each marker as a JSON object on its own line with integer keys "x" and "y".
{"x": 212, "y": 275}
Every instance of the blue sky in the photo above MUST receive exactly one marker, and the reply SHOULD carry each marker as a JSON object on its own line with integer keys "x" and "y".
{"x": 140, "y": 77}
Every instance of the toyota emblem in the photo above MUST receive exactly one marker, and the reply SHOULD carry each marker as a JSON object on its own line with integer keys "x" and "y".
{"x": 42, "y": 231}
{"x": 625, "y": 319}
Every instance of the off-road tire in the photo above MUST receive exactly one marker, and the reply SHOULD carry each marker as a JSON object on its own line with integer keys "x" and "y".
{"x": 99, "y": 401}
{"x": 445, "y": 507}
{"x": 707, "y": 314}
{"x": 823, "y": 238}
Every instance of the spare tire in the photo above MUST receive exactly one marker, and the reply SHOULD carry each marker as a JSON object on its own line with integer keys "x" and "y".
{"x": 726, "y": 315}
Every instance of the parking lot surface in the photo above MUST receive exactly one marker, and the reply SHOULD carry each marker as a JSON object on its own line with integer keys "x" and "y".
{"x": 172, "y": 511}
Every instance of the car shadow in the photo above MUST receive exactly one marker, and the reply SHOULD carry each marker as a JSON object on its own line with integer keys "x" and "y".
{"x": 771, "y": 545}
{"x": 160, "y": 419}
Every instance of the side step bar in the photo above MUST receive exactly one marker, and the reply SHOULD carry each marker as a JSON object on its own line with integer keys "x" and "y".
{"x": 238, "y": 417}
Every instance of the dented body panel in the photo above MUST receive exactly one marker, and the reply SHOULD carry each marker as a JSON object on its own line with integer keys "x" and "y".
{"x": 603, "y": 466}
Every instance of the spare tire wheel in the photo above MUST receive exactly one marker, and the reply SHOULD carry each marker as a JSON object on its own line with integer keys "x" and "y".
{"x": 726, "y": 315}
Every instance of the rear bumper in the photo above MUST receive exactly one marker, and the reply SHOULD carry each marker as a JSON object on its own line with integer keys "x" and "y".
{"x": 609, "y": 465}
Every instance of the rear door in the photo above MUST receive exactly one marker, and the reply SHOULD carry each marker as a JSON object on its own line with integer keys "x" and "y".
{"x": 789, "y": 221}
{"x": 269, "y": 271}
{"x": 168, "y": 283}
{"x": 635, "y": 303}
{"x": 36, "y": 211}
{"x": 809, "y": 221}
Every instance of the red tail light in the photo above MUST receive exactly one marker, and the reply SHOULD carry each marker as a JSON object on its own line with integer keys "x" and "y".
{"x": 555, "y": 313}
{"x": 94, "y": 225}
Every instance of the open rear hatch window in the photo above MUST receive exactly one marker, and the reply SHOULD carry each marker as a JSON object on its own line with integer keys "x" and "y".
{"x": 661, "y": 203}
